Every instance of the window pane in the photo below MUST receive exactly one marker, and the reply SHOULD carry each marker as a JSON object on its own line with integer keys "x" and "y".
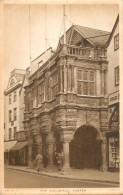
{"x": 85, "y": 76}
{"x": 92, "y": 88}
{"x": 92, "y": 76}
{"x": 85, "y": 88}
{"x": 79, "y": 74}
{"x": 116, "y": 41}
{"x": 79, "y": 87}
{"x": 117, "y": 75}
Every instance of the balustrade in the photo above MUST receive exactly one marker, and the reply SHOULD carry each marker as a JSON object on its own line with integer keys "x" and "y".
{"x": 87, "y": 52}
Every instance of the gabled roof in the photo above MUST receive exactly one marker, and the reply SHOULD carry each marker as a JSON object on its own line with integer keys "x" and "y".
{"x": 19, "y": 77}
{"x": 94, "y": 36}
{"x": 113, "y": 30}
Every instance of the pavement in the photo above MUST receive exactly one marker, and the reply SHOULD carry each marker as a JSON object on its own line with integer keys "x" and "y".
{"x": 77, "y": 174}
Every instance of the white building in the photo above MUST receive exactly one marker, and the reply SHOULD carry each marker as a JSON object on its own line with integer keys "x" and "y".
{"x": 113, "y": 92}
{"x": 14, "y": 104}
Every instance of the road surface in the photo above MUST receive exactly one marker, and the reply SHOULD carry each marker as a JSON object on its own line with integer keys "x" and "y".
{"x": 20, "y": 179}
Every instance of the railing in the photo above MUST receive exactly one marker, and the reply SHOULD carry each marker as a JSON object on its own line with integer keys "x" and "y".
{"x": 87, "y": 52}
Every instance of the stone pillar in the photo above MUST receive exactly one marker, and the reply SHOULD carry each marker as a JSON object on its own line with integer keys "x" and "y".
{"x": 50, "y": 143}
{"x": 65, "y": 78}
{"x": 69, "y": 78}
{"x": 66, "y": 137}
{"x": 46, "y": 91}
{"x": 104, "y": 156}
{"x": 66, "y": 160}
{"x": 30, "y": 143}
{"x": 38, "y": 139}
{"x": 61, "y": 78}
{"x": 72, "y": 79}
{"x": 105, "y": 82}
{"x": 75, "y": 81}
{"x": 51, "y": 154}
{"x": 102, "y": 82}
{"x": 30, "y": 162}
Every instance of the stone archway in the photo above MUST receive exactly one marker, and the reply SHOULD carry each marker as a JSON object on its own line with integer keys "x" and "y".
{"x": 85, "y": 148}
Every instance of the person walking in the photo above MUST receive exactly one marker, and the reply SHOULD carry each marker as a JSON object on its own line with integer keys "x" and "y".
{"x": 39, "y": 162}
{"x": 59, "y": 160}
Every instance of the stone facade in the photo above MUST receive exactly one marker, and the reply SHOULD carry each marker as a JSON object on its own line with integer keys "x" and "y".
{"x": 57, "y": 105}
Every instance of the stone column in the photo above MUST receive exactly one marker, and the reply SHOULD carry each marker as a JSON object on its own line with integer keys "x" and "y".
{"x": 30, "y": 162}
{"x": 50, "y": 143}
{"x": 61, "y": 78}
{"x": 66, "y": 137}
{"x": 30, "y": 143}
{"x": 72, "y": 78}
{"x": 102, "y": 82}
{"x": 69, "y": 78}
{"x": 75, "y": 81}
{"x": 66, "y": 160}
{"x": 51, "y": 154}
{"x": 39, "y": 143}
{"x": 105, "y": 82}
{"x": 65, "y": 78}
{"x": 104, "y": 155}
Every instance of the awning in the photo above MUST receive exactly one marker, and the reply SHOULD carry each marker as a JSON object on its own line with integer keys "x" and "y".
{"x": 19, "y": 145}
{"x": 8, "y": 145}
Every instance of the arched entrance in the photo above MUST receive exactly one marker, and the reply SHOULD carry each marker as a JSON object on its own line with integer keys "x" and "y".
{"x": 85, "y": 149}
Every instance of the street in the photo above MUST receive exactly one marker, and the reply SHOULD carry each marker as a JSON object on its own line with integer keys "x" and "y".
{"x": 20, "y": 179}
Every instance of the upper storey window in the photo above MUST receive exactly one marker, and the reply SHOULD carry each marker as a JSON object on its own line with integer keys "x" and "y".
{"x": 117, "y": 76}
{"x": 41, "y": 93}
{"x": 10, "y": 98}
{"x": 12, "y": 82}
{"x": 86, "y": 82}
{"x": 53, "y": 86}
{"x": 116, "y": 42}
{"x": 15, "y": 96}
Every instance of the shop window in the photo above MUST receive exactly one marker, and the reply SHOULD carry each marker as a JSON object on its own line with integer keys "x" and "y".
{"x": 10, "y": 98}
{"x": 10, "y": 133}
{"x": 114, "y": 158}
{"x": 10, "y": 115}
{"x": 15, "y": 114}
{"x": 116, "y": 42}
{"x": 15, "y": 96}
{"x": 86, "y": 82}
{"x": 117, "y": 76}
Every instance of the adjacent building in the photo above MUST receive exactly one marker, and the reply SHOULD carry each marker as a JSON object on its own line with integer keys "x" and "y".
{"x": 66, "y": 102}
{"x": 113, "y": 92}
{"x": 14, "y": 113}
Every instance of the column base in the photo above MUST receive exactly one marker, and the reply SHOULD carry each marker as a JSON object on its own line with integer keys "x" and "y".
{"x": 66, "y": 170}
{"x": 51, "y": 168}
{"x": 103, "y": 168}
{"x": 30, "y": 164}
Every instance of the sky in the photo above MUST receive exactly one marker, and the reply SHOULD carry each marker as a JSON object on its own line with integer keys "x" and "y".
{"x": 24, "y": 36}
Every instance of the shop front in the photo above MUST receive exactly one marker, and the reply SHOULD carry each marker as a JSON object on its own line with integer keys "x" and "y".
{"x": 113, "y": 139}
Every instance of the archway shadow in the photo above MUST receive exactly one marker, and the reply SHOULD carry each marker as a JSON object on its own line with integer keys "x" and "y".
{"x": 85, "y": 149}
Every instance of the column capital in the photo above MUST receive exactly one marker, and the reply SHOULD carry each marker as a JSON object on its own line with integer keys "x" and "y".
{"x": 66, "y": 136}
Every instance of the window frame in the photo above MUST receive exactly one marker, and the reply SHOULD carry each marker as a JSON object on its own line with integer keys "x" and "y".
{"x": 10, "y": 133}
{"x": 116, "y": 39}
{"x": 10, "y": 98}
{"x": 10, "y": 116}
{"x": 81, "y": 81}
{"x": 15, "y": 113}
{"x": 15, "y": 96}
{"x": 116, "y": 71}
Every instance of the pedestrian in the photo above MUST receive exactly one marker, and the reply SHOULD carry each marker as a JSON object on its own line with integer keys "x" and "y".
{"x": 39, "y": 162}
{"x": 59, "y": 161}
